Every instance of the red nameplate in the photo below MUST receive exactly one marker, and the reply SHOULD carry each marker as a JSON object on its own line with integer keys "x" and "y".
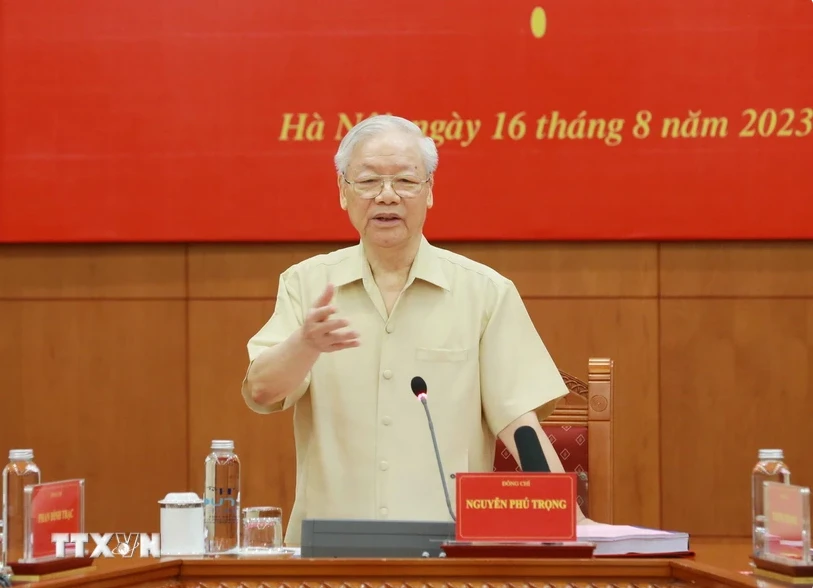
{"x": 786, "y": 520}
{"x": 53, "y": 507}
{"x": 516, "y": 507}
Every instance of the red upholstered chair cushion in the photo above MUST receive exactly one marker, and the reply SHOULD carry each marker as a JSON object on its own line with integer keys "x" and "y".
{"x": 570, "y": 443}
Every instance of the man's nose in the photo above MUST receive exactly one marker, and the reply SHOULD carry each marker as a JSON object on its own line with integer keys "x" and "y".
{"x": 387, "y": 193}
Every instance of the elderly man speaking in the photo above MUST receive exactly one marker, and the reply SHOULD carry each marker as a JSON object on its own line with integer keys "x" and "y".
{"x": 352, "y": 328}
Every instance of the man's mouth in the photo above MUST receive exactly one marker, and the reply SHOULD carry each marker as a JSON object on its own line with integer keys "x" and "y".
{"x": 386, "y": 218}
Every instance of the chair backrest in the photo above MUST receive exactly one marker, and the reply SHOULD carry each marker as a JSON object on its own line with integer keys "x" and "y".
{"x": 580, "y": 430}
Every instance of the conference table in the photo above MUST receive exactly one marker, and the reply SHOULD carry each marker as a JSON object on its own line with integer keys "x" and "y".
{"x": 718, "y": 563}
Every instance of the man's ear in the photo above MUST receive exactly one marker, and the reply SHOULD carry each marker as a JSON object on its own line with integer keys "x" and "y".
{"x": 430, "y": 198}
{"x": 342, "y": 199}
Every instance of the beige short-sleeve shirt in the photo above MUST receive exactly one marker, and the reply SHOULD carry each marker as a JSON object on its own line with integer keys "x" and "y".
{"x": 363, "y": 445}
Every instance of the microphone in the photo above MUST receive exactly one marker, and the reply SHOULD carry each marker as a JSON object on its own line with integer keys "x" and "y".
{"x": 418, "y": 385}
{"x": 529, "y": 450}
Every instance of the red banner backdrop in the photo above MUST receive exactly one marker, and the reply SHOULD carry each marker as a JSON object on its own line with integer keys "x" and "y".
{"x": 208, "y": 120}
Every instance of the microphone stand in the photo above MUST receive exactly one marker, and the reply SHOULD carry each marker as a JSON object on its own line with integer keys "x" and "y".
{"x": 437, "y": 456}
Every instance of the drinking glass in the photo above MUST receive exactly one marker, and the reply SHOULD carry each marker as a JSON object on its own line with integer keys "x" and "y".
{"x": 262, "y": 529}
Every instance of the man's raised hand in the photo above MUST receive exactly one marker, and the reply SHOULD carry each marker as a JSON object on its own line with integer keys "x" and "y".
{"x": 323, "y": 333}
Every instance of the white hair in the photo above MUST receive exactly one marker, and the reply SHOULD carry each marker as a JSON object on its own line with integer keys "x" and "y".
{"x": 381, "y": 123}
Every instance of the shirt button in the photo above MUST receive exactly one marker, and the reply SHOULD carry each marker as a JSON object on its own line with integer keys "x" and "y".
{"x": 386, "y": 420}
{"x": 387, "y": 374}
{"x": 384, "y": 465}
{"x": 384, "y": 511}
{"x": 390, "y": 328}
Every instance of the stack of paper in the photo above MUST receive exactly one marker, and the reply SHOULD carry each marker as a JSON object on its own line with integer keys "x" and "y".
{"x": 623, "y": 540}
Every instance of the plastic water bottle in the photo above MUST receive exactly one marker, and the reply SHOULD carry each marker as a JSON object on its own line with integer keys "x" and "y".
{"x": 769, "y": 468}
{"x": 20, "y": 472}
{"x": 221, "y": 498}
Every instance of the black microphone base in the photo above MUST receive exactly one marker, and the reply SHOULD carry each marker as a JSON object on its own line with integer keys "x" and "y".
{"x": 348, "y": 538}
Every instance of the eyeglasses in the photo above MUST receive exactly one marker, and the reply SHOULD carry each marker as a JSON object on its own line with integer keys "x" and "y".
{"x": 372, "y": 187}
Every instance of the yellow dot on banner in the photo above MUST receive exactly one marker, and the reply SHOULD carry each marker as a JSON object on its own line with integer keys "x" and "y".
{"x": 539, "y": 22}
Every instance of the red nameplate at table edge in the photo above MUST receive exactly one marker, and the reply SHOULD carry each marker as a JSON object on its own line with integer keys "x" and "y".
{"x": 56, "y": 507}
{"x": 516, "y": 507}
{"x": 784, "y": 506}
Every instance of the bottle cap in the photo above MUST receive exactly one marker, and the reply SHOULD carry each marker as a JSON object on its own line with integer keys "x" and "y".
{"x": 223, "y": 445}
{"x": 15, "y": 454}
{"x": 771, "y": 454}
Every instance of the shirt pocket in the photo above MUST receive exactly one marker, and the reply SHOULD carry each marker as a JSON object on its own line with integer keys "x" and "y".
{"x": 437, "y": 355}
{"x": 452, "y": 377}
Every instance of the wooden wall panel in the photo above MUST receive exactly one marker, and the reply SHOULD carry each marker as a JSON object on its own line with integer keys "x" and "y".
{"x": 93, "y": 365}
{"x": 627, "y": 331}
{"x": 736, "y": 376}
{"x": 132, "y": 342}
{"x": 98, "y": 390}
{"x": 218, "y": 333}
{"x": 742, "y": 270}
{"x": 736, "y": 340}
{"x": 538, "y": 269}
{"x": 92, "y": 271}
{"x": 571, "y": 270}
{"x": 245, "y": 271}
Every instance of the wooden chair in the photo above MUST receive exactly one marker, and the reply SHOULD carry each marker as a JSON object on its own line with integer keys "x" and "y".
{"x": 581, "y": 432}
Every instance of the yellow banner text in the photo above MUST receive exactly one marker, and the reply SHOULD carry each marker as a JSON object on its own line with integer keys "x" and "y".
{"x": 460, "y": 129}
{"x": 781, "y": 517}
{"x": 515, "y": 504}
{"x": 55, "y": 515}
